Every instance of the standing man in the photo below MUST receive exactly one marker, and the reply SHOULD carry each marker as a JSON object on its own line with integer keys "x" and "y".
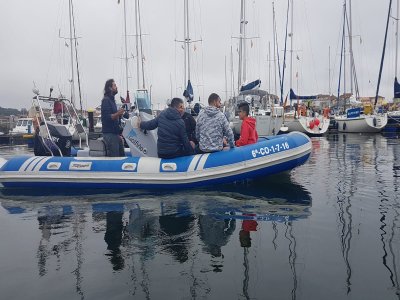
{"x": 110, "y": 119}
{"x": 248, "y": 132}
{"x": 212, "y": 127}
{"x": 172, "y": 137}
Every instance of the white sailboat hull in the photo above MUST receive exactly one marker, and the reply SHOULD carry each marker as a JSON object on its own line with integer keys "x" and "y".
{"x": 302, "y": 124}
{"x": 266, "y": 125}
{"x": 362, "y": 124}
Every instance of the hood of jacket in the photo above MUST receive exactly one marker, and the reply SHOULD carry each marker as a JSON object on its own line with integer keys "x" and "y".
{"x": 172, "y": 114}
{"x": 251, "y": 122}
{"x": 211, "y": 111}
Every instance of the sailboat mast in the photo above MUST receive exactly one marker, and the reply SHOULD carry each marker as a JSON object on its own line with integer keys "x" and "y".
{"x": 329, "y": 70}
{"x": 397, "y": 39}
{"x": 383, "y": 54}
{"x": 291, "y": 46}
{"x": 344, "y": 50}
{"x": 126, "y": 48}
{"x": 275, "y": 51}
{"x": 269, "y": 67}
{"x": 242, "y": 45}
{"x": 186, "y": 42}
{"x": 137, "y": 46}
{"x": 141, "y": 45}
{"x": 351, "y": 48}
{"x": 71, "y": 44}
{"x": 76, "y": 57}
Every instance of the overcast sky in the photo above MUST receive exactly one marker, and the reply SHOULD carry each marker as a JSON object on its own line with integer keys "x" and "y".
{"x": 31, "y": 50}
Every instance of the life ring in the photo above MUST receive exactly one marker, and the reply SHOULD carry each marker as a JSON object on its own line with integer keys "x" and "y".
{"x": 344, "y": 126}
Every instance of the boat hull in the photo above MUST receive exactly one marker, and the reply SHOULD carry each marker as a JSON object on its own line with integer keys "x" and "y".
{"x": 302, "y": 124}
{"x": 362, "y": 124}
{"x": 267, "y": 157}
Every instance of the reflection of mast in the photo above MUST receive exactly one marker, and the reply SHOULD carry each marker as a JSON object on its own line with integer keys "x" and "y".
{"x": 275, "y": 234}
{"x": 292, "y": 255}
{"x": 345, "y": 218}
{"x": 389, "y": 234}
{"x": 78, "y": 227}
{"x": 246, "y": 273}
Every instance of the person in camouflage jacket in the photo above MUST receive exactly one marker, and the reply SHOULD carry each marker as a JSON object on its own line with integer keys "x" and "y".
{"x": 212, "y": 127}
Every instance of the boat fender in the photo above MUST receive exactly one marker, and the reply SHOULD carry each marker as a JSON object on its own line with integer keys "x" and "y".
{"x": 316, "y": 122}
{"x": 344, "y": 126}
{"x": 312, "y": 124}
{"x": 374, "y": 122}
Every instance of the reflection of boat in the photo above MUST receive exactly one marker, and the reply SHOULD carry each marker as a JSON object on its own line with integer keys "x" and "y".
{"x": 132, "y": 233}
{"x": 269, "y": 156}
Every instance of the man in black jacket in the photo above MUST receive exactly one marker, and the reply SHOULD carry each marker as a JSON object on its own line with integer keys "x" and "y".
{"x": 172, "y": 137}
{"x": 110, "y": 118}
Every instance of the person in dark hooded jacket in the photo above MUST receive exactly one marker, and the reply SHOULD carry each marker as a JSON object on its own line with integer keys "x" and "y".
{"x": 248, "y": 132}
{"x": 172, "y": 137}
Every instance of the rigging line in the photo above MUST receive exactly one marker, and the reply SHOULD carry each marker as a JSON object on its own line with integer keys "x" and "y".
{"x": 76, "y": 56}
{"x": 277, "y": 50}
{"x": 284, "y": 52}
{"x": 352, "y": 63}
{"x": 383, "y": 54}
{"x": 311, "y": 48}
{"x": 52, "y": 48}
{"x": 341, "y": 59}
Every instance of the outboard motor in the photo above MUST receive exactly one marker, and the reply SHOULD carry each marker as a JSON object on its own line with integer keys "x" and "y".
{"x": 60, "y": 139}
{"x": 141, "y": 143}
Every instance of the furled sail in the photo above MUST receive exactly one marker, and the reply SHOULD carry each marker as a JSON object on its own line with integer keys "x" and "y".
{"x": 293, "y": 96}
{"x": 254, "y": 85}
{"x": 396, "y": 88}
{"x": 188, "y": 93}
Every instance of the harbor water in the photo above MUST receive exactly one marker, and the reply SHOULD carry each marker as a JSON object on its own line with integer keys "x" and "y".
{"x": 329, "y": 229}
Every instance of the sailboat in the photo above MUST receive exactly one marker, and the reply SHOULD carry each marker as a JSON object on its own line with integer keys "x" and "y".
{"x": 355, "y": 120}
{"x": 304, "y": 119}
{"x": 301, "y": 117}
{"x": 394, "y": 116}
{"x": 267, "y": 114}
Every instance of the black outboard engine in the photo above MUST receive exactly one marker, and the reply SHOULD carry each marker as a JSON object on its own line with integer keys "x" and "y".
{"x": 60, "y": 139}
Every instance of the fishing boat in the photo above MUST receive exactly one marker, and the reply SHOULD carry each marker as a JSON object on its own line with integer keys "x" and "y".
{"x": 23, "y": 126}
{"x": 141, "y": 168}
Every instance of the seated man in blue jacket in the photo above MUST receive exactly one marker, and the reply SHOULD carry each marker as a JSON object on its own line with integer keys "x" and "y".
{"x": 172, "y": 137}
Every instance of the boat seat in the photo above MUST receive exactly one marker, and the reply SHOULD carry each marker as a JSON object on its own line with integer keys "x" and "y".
{"x": 97, "y": 147}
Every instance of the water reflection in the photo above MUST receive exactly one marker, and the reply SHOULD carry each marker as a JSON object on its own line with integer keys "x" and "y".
{"x": 144, "y": 233}
{"x": 363, "y": 162}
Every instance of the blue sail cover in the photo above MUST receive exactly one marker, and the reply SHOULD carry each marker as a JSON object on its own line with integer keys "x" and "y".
{"x": 188, "y": 93}
{"x": 251, "y": 86}
{"x": 293, "y": 96}
{"x": 396, "y": 88}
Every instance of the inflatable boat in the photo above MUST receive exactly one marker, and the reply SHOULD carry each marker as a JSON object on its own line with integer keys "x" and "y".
{"x": 270, "y": 156}
{"x": 141, "y": 169}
